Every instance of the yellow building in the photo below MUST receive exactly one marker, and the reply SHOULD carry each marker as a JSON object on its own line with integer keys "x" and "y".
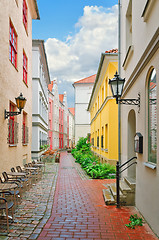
{"x": 104, "y": 110}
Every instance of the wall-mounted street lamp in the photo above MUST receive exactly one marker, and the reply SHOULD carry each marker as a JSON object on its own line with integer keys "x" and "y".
{"x": 117, "y": 84}
{"x": 20, "y": 101}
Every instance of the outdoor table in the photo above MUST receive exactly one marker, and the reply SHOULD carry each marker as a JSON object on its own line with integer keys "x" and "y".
{"x": 38, "y": 165}
{"x": 16, "y": 174}
{"x": 7, "y": 187}
{"x": 30, "y": 168}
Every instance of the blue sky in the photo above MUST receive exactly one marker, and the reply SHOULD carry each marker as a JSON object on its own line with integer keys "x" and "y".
{"x": 76, "y": 32}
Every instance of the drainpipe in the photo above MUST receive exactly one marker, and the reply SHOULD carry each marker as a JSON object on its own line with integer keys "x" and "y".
{"x": 119, "y": 118}
{"x": 119, "y": 109}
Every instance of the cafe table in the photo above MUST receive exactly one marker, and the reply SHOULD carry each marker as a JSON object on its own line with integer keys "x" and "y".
{"x": 7, "y": 187}
{"x": 16, "y": 174}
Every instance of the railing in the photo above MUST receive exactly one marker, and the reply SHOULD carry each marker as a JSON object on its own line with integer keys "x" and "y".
{"x": 118, "y": 171}
{"x": 43, "y": 142}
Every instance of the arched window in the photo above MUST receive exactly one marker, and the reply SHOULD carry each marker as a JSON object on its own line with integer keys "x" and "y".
{"x": 152, "y": 117}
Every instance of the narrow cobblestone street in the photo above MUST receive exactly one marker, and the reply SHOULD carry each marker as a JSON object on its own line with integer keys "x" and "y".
{"x": 65, "y": 204}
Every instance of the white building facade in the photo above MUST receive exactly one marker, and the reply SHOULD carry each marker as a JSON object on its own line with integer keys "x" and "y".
{"x": 54, "y": 115}
{"x": 83, "y": 89}
{"x": 140, "y": 67}
{"x": 71, "y": 112}
{"x": 40, "y": 81}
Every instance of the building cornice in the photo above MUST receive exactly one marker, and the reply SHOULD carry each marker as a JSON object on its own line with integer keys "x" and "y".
{"x": 101, "y": 108}
{"x": 38, "y": 115}
{"x": 110, "y": 56}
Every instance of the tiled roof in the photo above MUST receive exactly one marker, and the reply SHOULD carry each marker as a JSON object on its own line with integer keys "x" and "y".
{"x": 50, "y": 86}
{"x": 90, "y": 79}
{"x": 115, "y": 50}
{"x": 61, "y": 97}
{"x": 72, "y": 110}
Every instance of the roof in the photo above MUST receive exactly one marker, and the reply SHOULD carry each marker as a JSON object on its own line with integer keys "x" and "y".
{"x": 50, "y": 86}
{"x": 36, "y": 8}
{"x": 90, "y": 79}
{"x": 61, "y": 96}
{"x": 40, "y": 43}
{"x": 109, "y": 54}
{"x": 72, "y": 110}
{"x": 115, "y": 50}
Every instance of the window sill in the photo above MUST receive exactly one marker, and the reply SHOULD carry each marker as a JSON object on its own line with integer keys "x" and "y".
{"x": 12, "y": 145}
{"x": 147, "y": 10}
{"x": 128, "y": 55}
{"x": 26, "y": 30}
{"x": 25, "y": 144}
{"x": 25, "y": 83}
{"x": 106, "y": 150}
{"x": 13, "y": 65}
{"x": 150, "y": 165}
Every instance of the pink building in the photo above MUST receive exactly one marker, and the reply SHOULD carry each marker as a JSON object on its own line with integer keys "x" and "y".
{"x": 61, "y": 122}
{"x": 50, "y": 86}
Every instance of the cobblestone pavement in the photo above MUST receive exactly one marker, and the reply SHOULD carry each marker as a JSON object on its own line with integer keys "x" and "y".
{"x": 35, "y": 207}
{"x": 75, "y": 210}
{"x": 79, "y": 211}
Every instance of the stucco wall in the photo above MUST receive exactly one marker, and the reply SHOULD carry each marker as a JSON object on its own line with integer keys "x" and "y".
{"x": 12, "y": 82}
{"x": 143, "y": 58}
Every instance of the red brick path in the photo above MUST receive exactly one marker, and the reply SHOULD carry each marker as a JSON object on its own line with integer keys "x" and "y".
{"x": 79, "y": 211}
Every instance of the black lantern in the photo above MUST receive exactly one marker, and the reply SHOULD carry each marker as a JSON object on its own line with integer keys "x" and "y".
{"x": 20, "y": 101}
{"x": 117, "y": 84}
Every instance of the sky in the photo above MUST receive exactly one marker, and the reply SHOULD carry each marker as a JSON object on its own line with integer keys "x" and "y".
{"x": 76, "y": 33}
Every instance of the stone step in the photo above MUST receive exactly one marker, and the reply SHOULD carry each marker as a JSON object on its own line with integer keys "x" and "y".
{"x": 131, "y": 182}
{"x": 108, "y": 198}
{"x": 112, "y": 188}
{"x": 124, "y": 187}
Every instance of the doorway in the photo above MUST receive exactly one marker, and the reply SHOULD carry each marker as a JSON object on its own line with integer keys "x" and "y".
{"x": 131, "y": 134}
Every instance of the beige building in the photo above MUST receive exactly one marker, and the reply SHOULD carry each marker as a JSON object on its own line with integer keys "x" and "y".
{"x": 15, "y": 78}
{"x": 140, "y": 68}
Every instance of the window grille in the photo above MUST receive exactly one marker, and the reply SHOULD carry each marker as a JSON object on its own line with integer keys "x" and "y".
{"x": 98, "y": 141}
{"x": 25, "y": 138}
{"x": 102, "y": 142}
{"x": 12, "y": 132}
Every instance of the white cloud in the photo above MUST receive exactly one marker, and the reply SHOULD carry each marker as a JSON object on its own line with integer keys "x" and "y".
{"x": 78, "y": 57}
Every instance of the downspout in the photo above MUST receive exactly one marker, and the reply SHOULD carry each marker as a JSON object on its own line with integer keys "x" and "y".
{"x": 119, "y": 108}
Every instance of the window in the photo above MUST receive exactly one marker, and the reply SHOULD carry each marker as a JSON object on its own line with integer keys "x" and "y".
{"x": 98, "y": 139}
{"x": 25, "y": 17}
{"x": 129, "y": 25}
{"x": 25, "y": 73}
{"x": 24, "y": 130}
{"x": 12, "y": 128}
{"x": 106, "y": 136}
{"x": 152, "y": 117}
{"x": 92, "y": 141}
{"x": 98, "y": 103}
{"x": 13, "y": 46}
{"x": 102, "y": 138}
{"x": 106, "y": 87}
{"x": 102, "y": 94}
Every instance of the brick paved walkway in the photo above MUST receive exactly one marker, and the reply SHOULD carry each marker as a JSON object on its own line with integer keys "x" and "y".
{"x": 79, "y": 211}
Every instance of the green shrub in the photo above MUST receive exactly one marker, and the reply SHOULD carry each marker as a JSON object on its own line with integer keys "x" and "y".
{"x": 90, "y": 163}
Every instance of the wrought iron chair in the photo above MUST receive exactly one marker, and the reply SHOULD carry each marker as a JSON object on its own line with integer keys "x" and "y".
{"x": 6, "y": 206}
